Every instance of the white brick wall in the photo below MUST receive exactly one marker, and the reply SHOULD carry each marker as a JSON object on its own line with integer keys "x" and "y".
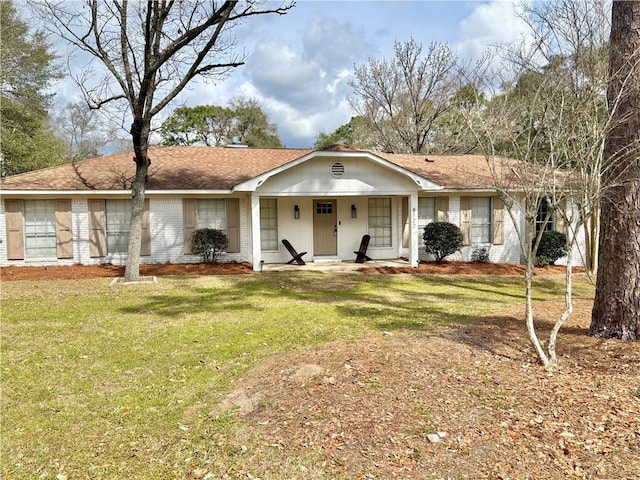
{"x": 167, "y": 234}
{"x": 167, "y": 237}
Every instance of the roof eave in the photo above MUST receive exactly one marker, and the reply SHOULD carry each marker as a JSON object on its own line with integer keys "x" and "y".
{"x": 253, "y": 184}
{"x": 102, "y": 193}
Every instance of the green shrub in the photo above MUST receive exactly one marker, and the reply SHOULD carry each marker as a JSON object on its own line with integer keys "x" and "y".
{"x": 480, "y": 255}
{"x": 553, "y": 245}
{"x": 209, "y": 243}
{"x": 441, "y": 239}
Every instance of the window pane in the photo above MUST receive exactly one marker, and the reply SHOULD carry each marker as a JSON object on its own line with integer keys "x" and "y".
{"x": 543, "y": 211}
{"x": 118, "y": 222}
{"x": 427, "y": 210}
{"x": 40, "y": 229}
{"x": 268, "y": 224}
{"x": 212, "y": 214}
{"x": 380, "y": 222}
{"x": 481, "y": 220}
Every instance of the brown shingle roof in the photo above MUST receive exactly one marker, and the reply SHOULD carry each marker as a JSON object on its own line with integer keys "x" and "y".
{"x": 172, "y": 168}
{"x": 449, "y": 171}
{"x": 219, "y": 168}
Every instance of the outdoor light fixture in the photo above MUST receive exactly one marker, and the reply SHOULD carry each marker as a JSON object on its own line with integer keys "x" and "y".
{"x": 296, "y": 212}
{"x": 354, "y": 211}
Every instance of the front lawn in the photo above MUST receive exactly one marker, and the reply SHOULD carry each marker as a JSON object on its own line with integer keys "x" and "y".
{"x": 117, "y": 382}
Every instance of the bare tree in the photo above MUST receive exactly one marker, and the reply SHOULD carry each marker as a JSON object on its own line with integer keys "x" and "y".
{"x": 150, "y": 52}
{"x": 551, "y": 118}
{"x": 402, "y": 99}
{"x": 571, "y": 40}
{"x": 84, "y": 134}
{"x": 523, "y": 182}
{"x": 616, "y": 309}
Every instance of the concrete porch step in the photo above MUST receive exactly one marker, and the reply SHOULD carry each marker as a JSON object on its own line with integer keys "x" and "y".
{"x": 327, "y": 259}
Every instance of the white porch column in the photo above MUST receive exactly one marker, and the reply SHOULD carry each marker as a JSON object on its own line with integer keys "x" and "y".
{"x": 255, "y": 231}
{"x": 413, "y": 223}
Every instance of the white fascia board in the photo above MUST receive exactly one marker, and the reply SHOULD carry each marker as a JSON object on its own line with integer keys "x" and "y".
{"x": 467, "y": 191}
{"x": 253, "y": 184}
{"x": 107, "y": 193}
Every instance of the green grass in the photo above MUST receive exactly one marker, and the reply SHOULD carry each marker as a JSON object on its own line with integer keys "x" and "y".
{"x": 110, "y": 382}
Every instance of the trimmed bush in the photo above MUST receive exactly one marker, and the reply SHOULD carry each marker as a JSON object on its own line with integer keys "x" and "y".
{"x": 209, "y": 243}
{"x": 553, "y": 245}
{"x": 441, "y": 239}
{"x": 480, "y": 255}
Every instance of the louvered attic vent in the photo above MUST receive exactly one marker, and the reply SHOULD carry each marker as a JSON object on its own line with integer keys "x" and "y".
{"x": 337, "y": 170}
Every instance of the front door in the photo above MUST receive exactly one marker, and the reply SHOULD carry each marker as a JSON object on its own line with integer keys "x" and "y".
{"x": 325, "y": 227}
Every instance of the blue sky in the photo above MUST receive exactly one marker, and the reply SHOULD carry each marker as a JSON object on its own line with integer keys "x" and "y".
{"x": 298, "y": 65}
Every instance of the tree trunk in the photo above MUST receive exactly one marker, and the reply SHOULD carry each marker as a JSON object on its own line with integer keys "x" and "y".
{"x": 140, "y": 136}
{"x": 616, "y": 310}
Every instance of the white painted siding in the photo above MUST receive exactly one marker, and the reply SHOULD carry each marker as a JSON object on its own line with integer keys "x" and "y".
{"x": 314, "y": 177}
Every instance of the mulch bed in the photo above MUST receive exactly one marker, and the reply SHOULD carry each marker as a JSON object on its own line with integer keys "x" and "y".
{"x": 231, "y": 268}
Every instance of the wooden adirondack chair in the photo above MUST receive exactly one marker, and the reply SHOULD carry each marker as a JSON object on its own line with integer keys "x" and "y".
{"x": 297, "y": 257}
{"x": 361, "y": 254}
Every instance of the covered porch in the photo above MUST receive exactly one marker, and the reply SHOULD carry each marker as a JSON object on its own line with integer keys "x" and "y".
{"x": 328, "y": 266}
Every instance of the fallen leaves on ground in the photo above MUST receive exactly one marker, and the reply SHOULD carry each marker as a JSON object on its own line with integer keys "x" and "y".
{"x": 372, "y": 410}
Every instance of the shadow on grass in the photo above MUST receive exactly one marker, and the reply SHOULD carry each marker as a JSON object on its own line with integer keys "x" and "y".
{"x": 383, "y": 302}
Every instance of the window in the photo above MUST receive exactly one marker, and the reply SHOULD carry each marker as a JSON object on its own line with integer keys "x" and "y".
{"x": 268, "y": 224}
{"x": 40, "y": 229}
{"x": 324, "y": 207}
{"x": 426, "y": 210}
{"x": 212, "y": 213}
{"x": 544, "y": 206}
{"x": 481, "y": 220}
{"x": 380, "y": 222}
{"x": 219, "y": 213}
{"x": 118, "y": 222}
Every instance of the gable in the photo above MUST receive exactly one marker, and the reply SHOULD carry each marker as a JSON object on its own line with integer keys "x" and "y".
{"x": 340, "y": 175}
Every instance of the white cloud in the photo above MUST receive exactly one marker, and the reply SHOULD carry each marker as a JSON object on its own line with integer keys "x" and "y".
{"x": 490, "y": 25}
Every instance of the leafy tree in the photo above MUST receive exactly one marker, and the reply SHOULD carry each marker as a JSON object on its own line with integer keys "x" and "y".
{"x": 207, "y": 124}
{"x": 149, "y": 52}
{"x": 211, "y": 125}
{"x": 402, "y": 99}
{"x": 27, "y": 69}
{"x": 356, "y": 134}
{"x": 616, "y": 309}
{"x": 252, "y": 126}
{"x": 442, "y": 239}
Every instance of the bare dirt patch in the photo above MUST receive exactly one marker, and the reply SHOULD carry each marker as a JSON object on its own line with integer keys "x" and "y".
{"x": 496, "y": 413}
